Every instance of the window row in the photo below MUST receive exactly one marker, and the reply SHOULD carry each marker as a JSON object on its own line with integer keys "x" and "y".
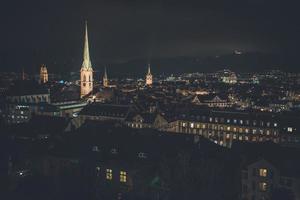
{"x": 109, "y": 175}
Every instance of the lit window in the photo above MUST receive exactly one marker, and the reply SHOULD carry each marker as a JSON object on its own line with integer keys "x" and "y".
{"x": 210, "y": 119}
{"x": 234, "y": 121}
{"x": 228, "y": 128}
{"x": 263, "y": 172}
{"x": 123, "y": 176}
{"x": 247, "y": 130}
{"x": 275, "y": 124}
{"x": 184, "y": 124}
{"x": 290, "y": 129}
{"x": 228, "y": 120}
{"x": 109, "y": 174}
{"x": 203, "y": 126}
{"x": 263, "y": 186}
{"x": 192, "y": 125}
{"x": 241, "y": 121}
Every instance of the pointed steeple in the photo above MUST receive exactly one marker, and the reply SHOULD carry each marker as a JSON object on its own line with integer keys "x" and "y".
{"x": 86, "y": 54}
{"x": 149, "y": 70}
{"x": 105, "y": 73}
{"x": 23, "y": 74}
{"x": 105, "y": 79}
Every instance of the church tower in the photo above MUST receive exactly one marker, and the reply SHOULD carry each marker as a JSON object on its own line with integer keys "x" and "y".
{"x": 105, "y": 79}
{"x": 149, "y": 76}
{"x": 86, "y": 72}
{"x": 43, "y": 74}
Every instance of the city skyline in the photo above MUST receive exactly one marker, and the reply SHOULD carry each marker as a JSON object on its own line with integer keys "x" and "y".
{"x": 123, "y": 32}
{"x": 150, "y": 100}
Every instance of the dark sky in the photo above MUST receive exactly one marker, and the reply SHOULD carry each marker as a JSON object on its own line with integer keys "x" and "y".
{"x": 51, "y": 32}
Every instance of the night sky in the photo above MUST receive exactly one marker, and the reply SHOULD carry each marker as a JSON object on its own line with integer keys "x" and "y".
{"x": 51, "y": 32}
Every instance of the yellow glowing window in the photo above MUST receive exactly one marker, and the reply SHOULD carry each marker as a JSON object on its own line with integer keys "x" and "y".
{"x": 123, "y": 176}
{"x": 109, "y": 174}
{"x": 263, "y": 186}
{"x": 263, "y": 172}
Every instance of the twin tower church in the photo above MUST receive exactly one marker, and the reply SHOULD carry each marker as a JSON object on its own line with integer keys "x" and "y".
{"x": 86, "y": 71}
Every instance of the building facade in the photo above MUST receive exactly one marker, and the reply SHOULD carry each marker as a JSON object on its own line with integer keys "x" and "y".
{"x": 224, "y": 128}
{"x": 43, "y": 74}
{"x": 261, "y": 178}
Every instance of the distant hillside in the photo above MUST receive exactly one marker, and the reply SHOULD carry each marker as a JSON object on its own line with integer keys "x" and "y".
{"x": 248, "y": 62}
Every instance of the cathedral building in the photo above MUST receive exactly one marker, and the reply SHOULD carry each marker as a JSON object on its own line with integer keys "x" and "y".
{"x": 149, "y": 76}
{"x": 43, "y": 74}
{"x": 86, "y": 72}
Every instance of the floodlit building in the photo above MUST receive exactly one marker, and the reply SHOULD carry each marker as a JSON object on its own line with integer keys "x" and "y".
{"x": 149, "y": 80}
{"x": 227, "y": 76}
{"x": 43, "y": 74}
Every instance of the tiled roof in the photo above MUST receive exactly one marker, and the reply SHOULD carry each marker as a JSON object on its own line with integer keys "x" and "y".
{"x": 99, "y": 109}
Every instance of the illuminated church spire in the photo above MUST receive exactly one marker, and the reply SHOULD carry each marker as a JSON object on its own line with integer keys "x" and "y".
{"x": 86, "y": 53}
{"x": 149, "y": 70}
{"x": 105, "y": 78}
{"x": 149, "y": 76}
{"x": 86, "y": 72}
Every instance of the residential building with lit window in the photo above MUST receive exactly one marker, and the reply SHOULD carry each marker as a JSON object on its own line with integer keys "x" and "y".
{"x": 22, "y": 99}
{"x": 224, "y": 127}
{"x": 260, "y": 179}
{"x": 146, "y": 120}
{"x": 212, "y": 101}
